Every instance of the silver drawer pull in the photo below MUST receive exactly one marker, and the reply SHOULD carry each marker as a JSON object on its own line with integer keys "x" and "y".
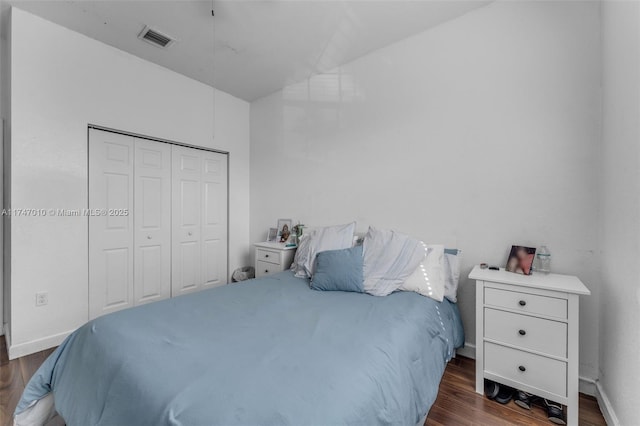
{"x": 522, "y": 332}
{"x": 522, "y": 303}
{"x": 522, "y": 368}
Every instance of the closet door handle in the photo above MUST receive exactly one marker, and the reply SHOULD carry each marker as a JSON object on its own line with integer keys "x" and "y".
{"x": 522, "y": 332}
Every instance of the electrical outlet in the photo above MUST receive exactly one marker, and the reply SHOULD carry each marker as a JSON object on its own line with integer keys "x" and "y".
{"x": 42, "y": 298}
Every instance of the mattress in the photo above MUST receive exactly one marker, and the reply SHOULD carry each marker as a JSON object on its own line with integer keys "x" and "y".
{"x": 260, "y": 352}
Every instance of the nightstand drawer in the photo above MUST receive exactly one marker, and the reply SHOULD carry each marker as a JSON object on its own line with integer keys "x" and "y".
{"x": 266, "y": 268}
{"x": 537, "y": 371}
{"x": 268, "y": 256}
{"x": 524, "y": 302}
{"x": 527, "y": 332}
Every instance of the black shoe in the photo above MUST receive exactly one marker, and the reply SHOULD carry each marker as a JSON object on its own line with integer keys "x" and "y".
{"x": 523, "y": 399}
{"x": 554, "y": 412}
{"x": 505, "y": 394}
{"x": 491, "y": 388}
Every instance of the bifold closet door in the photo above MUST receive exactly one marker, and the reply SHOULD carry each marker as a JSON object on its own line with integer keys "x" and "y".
{"x": 152, "y": 221}
{"x": 130, "y": 230}
{"x": 199, "y": 216}
{"x": 186, "y": 188}
{"x": 214, "y": 219}
{"x": 111, "y": 161}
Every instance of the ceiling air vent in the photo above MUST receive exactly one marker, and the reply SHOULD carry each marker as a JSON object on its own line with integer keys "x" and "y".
{"x": 155, "y": 37}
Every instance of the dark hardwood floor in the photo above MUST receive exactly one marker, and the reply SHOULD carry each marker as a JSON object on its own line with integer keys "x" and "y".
{"x": 457, "y": 402}
{"x": 14, "y": 375}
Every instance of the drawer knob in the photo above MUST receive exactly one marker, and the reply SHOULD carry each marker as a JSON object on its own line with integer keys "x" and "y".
{"x": 266, "y": 271}
{"x": 522, "y": 332}
{"x": 522, "y": 303}
{"x": 266, "y": 255}
{"x": 522, "y": 368}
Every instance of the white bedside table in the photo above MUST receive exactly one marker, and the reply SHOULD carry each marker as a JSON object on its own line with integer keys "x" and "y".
{"x": 273, "y": 257}
{"x": 527, "y": 333}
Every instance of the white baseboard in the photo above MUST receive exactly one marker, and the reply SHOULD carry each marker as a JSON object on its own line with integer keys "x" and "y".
{"x": 605, "y": 406}
{"x": 587, "y": 386}
{"x": 469, "y": 350}
{"x": 27, "y": 348}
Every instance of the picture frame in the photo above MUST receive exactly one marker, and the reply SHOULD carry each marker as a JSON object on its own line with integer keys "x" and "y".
{"x": 520, "y": 260}
{"x": 284, "y": 229}
{"x": 272, "y": 235}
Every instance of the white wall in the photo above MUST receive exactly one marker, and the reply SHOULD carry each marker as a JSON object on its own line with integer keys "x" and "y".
{"x": 4, "y": 115}
{"x": 620, "y": 293}
{"x": 62, "y": 81}
{"x": 480, "y": 133}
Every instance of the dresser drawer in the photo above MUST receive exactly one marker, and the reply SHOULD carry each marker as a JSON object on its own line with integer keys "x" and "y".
{"x": 527, "y": 332}
{"x": 539, "y": 372}
{"x": 525, "y": 302}
{"x": 266, "y": 268}
{"x": 268, "y": 256}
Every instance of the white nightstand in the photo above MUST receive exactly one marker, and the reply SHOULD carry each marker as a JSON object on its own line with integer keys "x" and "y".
{"x": 273, "y": 257}
{"x": 527, "y": 334}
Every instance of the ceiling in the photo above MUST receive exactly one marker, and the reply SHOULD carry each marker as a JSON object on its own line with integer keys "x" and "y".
{"x": 251, "y": 48}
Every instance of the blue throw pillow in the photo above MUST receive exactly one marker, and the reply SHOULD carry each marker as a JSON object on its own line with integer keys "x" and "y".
{"x": 339, "y": 270}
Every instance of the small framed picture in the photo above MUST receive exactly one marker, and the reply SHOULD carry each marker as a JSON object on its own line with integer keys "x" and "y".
{"x": 272, "y": 235}
{"x": 520, "y": 259}
{"x": 284, "y": 229}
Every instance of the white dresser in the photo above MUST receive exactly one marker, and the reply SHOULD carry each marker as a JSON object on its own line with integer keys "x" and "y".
{"x": 273, "y": 257}
{"x": 527, "y": 334}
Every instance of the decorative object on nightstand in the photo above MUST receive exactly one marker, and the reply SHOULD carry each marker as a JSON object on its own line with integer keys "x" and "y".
{"x": 520, "y": 260}
{"x": 297, "y": 232}
{"x": 284, "y": 227}
{"x": 544, "y": 260}
{"x": 272, "y": 235}
{"x": 273, "y": 257}
{"x": 527, "y": 334}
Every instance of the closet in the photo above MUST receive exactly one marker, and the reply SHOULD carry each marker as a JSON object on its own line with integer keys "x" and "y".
{"x": 157, "y": 220}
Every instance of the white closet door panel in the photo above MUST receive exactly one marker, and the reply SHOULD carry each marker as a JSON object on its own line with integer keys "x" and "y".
{"x": 152, "y": 221}
{"x": 152, "y": 274}
{"x": 111, "y": 160}
{"x": 186, "y": 220}
{"x": 214, "y": 219}
{"x": 117, "y": 269}
{"x": 189, "y": 200}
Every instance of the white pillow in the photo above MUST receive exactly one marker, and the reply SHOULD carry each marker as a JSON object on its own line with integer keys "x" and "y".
{"x": 321, "y": 239}
{"x": 389, "y": 258}
{"x": 452, "y": 275}
{"x": 428, "y": 278}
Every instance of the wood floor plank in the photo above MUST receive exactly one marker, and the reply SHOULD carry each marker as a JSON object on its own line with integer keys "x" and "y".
{"x": 11, "y": 385}
{"x": 458, "y": 404}
{"x": 29, "y": 364}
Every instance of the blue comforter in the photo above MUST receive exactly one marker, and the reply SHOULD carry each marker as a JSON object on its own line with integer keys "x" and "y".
{"x": 261, "y": 352}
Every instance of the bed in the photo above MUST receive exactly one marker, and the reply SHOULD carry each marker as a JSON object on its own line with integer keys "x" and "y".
{"x": 260, "y": 352}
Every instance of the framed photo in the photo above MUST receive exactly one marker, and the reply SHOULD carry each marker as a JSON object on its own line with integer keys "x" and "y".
{"x": 284, "y": 229}
{"x": 520, "y": 259}
{"x": 272, "y": 235}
